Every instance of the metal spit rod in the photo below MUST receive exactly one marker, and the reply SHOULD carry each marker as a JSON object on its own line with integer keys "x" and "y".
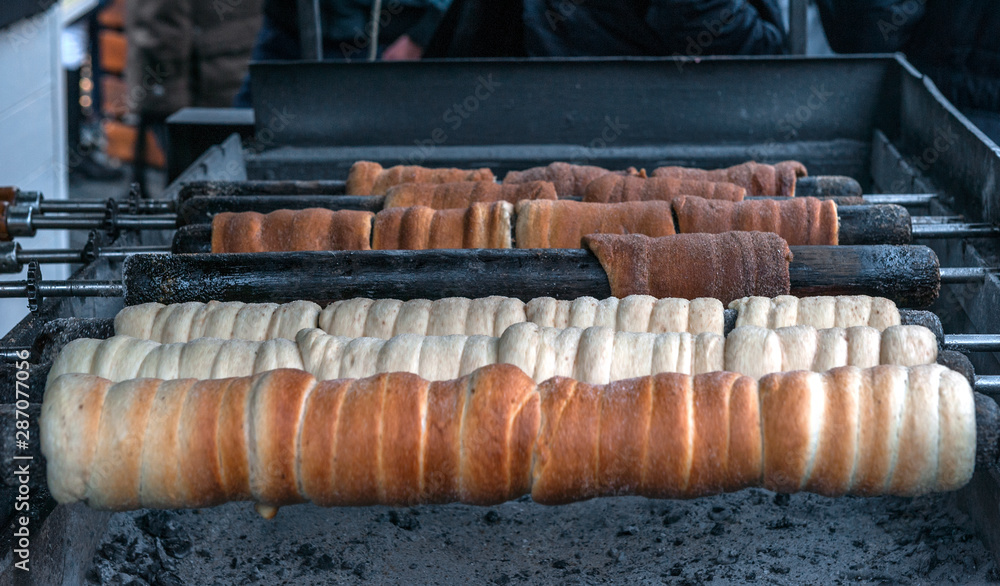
{"x": 962, "y": 275}
{"x": 949, "y": 275}
{"x": 62, "y": 288}
{"x": 149, "y": 206}
{"x": 154, "y": 222}
{"x": 930, "y": 229}
{"x": 988, "y": 385}
{"x": 903, "y": 199}
{"x": 56, "y": 255}
{"x": 973, "y": 342}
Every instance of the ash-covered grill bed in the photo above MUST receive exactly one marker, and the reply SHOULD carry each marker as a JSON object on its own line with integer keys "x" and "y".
{"x": 873, "y": 119}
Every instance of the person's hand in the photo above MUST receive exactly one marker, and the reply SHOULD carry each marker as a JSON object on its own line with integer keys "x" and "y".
{"x": 403, "y": 49}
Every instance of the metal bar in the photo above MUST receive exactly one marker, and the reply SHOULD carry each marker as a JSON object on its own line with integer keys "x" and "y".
{"x": 959, "y": 276}
{"x": 152, "y": 222}
{"x": 67, "y": 222}
{"x": 12, "y": 354}
{"x": 71, "y": 207}
{"x": 973, "y": 342}
{"x": 159, "y": 222}
{"x": 153, "y": 206}
{"x": 375, "y": 24}
{"x": 64, "y": 288}
{"x": 936, "y": 219}
{"x": 261, "y": 187}
{"x": 960, "y": 230}
{"x": 49, "y": 256}
{"x": 56, "y": 255}
{"x": 798, "y": 24}
{"x": 310, "y": 30}
{"x": 123, "y": 253}
{"x": 903, "y": 199}
{"x": 988, "y": 385}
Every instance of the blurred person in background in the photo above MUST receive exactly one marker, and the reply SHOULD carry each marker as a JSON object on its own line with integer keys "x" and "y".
{"x": 185, "y": 53}
{"x": 403, "y": 31}
{"x": 690, "y": 28}
{"x": 956, "y": 43}
{"x": 84, "y": 159}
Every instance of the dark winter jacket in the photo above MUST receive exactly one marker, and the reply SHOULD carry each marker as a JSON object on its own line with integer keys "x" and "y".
{"x": 955, "y": 42}
{"x": 187, "y": 52}
{"x": 653, "y": 27}
{"x": 348, "y": 21}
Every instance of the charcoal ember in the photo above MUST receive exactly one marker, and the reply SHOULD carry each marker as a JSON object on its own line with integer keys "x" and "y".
{"x": 157, "y": 524}
{"x": 113, "y": 552}
{"x": 168, "y": 579}
{"x": 720, "y": 514}
{"x": 491, "y": 518}
{"x": 305, "y": 550}
{"x": 404, "y": 519}
{"x": 177, "y": 547}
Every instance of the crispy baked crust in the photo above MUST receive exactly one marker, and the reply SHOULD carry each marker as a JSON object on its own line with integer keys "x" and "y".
{"x": 291, "y": 230}
{"x": 731, "y": 265}
{"x": 756, "y": 178}
{"x": 462, "y": 194}
{"x": 422, "y": 228}
{"x": 800, "y": 221}
{"x": 568, "y": 179}
{"x": 367, "y": 178}
{"x": 494, "y": 435}
{"x": 563, "y": 224}
{"x": 621, "y": 189}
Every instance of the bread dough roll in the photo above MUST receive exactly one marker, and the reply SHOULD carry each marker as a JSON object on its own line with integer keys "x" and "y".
{"x": 595, "y": 354}
{"x": 368, "y": 178}
{"x": 395, "y": 439}
{"x": 753, "y": 352}
{"x": 183, "y": 322}
{"x": 71, "y": 410}
{"x": 842, "y": 311}
{"x": 291, "y": 230}
{"x": 908, "y": 346}
{"x": 568, "y": 179}
{"x": 756, "y": 351}
{"x": 462, "y": 194}
{"x": 618, "y": 189}
{"x": 635, "y": 313}
{"x": 757, "y": 179}
{"x": 884, "y": 430}
{"x": 800, "y": 221}
{"x": 481, "y": 225}
{"x": 564, "y": 223}
{"x": 385, "y": 318}
{"x": 730, "y": 265}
